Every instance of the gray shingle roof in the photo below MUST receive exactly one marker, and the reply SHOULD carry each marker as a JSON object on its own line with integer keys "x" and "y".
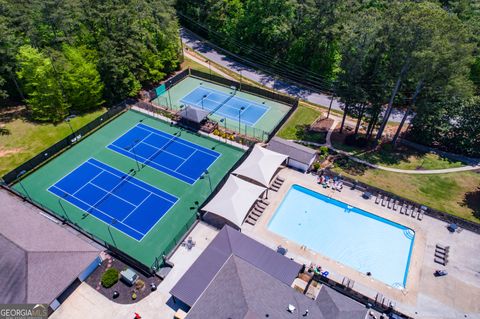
{"x": 294, "y": 151}
{"x": 39, "y": 258}
{"x": 230, "y": 242}
{"x": 241, "y": 290}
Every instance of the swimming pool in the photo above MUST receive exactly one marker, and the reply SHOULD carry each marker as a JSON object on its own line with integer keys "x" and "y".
{"x": 351, "y": 236}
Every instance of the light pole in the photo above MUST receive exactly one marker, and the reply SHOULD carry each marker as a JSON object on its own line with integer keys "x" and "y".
{"x": 132, "y": 147}
{"x": 21, "y": 184}
{"x": 330, "y": 107}
{"x": 206, "y": 173}
{"x": 110, "y": 232}
{"x": 239, "y": 115}
{"x": 224, "y": 121}
{"x": 203, "y": 97}
{"x": 70, "y": 125}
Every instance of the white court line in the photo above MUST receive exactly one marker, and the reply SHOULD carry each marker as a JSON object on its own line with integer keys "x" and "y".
{"x": 166, "y": 168}
{"x": 104, "y": 170}
{"x": 143, "y": 201}
{"x": 185, "y": 160}
{"x": 164, "y": 151}
{"x": 139, "y": 186}
{"x": 101, "y": 211}
{"x": 180, "y": 141}
{"x": 88, "y": 182}
{"x": 114, "y": 195}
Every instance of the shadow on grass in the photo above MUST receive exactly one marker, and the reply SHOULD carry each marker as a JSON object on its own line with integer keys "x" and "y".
{"x": 350, "y": 167}
{"x": 302, "y": 132}
{"x": 472, "y": 201}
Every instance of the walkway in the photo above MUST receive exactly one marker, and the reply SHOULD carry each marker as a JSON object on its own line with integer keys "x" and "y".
{"x": 204, "y": 48}
{"x": 390, "y": 169}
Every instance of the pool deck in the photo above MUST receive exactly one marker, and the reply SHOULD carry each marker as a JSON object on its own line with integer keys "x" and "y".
{"x": 424, "y": 296}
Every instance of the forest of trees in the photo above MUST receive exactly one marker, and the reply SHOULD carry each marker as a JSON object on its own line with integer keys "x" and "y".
{"x": 71, "y": 56}
{"x": 419, "y": 56}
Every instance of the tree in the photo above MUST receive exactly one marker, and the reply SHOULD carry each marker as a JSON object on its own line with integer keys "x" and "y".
{"x": 45, "y": 98}
{"x": 81, "y": 80}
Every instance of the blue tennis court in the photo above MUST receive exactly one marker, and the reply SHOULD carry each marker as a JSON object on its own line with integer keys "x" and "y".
{"x": 167, "y": 153}
{"x": 225, "y": 105}
{"x": 114, "y": 197}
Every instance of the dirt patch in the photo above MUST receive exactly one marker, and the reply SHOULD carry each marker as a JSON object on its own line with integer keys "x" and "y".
{"x": 125, "y": 291}
{"x": 5, "y": 152}
{"x": 321, "y": 125}
{"x": 11, "y": 113}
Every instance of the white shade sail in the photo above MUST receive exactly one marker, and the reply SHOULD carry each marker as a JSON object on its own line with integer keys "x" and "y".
{"x": 234, "y": 200}
{"x": 261, "y": 165}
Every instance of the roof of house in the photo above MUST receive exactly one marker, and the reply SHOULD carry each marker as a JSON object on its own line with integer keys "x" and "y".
{"x": 194, "y": 114}
{"x": 226, "y": 244}
{"x": 39, "y": 258}
{"x": 240, "y": 291}
{"x": 293, "y": 150}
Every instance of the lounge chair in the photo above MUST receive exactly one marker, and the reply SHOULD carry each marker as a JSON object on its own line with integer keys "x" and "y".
{"x": 396, "y": 204}
{"x": 420, "y": 215}
{"x": 403, "y": 209}
{"x": 265, "y": 201}
{"x": 384, "y": 200}
{"x": 441, "y": 254}
{"x": 378, "y": 198}
{"x": 261, "y": 205}
{"x": 407, "y": 212}
{"x": 390, "y": 203}
{"x": 414, "y": 212}
{"x": 255, "y": 212}
{"x": 277, "y": 183}
{"x": 251, "y": 221}
{"x": 367, "y": 195}
{"x": 280, "y": 178}
{"x": 442, "y": 247}
{"x": 441, "y": 261}
{"x": 253, "y": 216}
{"x": 274, "y": 188}
{"x": 258, "y": 209}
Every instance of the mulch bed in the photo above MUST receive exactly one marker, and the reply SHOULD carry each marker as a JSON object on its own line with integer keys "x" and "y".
{"x": 125, "y": 297}
{"x": 321, "y": 125}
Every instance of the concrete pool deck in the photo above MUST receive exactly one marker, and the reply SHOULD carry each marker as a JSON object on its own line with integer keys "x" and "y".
{"x": 424, "y": 296}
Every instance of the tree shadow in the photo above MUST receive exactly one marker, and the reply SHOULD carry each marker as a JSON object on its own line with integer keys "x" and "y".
{"x": 472, "y": 201}
{"x": 350, "y": 167}
{"x": 303, "y": 132}
{"x": 4, "y": 131}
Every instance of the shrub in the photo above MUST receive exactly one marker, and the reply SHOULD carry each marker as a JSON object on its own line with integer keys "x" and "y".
{"x": 323, "y": 151}
{"x": 316, "y": 166}
{"x": 134, "y": 296}
{"x": 110, "y": 277}
{"x": 139, "y": 284}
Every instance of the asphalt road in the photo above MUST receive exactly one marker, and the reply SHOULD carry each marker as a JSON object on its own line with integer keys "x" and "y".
{"x": 204, "y": 48}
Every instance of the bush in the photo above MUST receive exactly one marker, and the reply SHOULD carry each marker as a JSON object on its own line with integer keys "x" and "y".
{"x": 139, "y": 284}
{"x": 323, "y": 151}
{"x": 110, "y": 277}
{"x": 316, "y": 166}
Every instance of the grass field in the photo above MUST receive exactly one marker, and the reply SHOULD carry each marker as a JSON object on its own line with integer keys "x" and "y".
{"x": 166, "y": 233}
{"x": 454, "y": 193}
{"x": 401, "y": 157}
{"x": 26, "y": 139}
{"x": 295, "y": 127}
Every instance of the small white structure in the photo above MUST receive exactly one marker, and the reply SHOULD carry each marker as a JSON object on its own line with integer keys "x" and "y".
{"x": 261, "y": 165}
{"x": 299, "y": 157}
{"x": 232, "y": 202}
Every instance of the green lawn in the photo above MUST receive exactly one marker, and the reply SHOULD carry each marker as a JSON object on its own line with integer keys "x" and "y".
{"x": 454, "y": 193}
{"x": 26, "y": 139}
{"x": 401, "y": 157}
{"x": 189, "y": 63}
{"x": 296, "y": 127}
